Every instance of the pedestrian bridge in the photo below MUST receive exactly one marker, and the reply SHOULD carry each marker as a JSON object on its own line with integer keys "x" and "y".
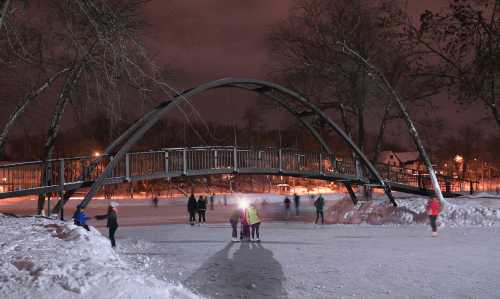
{"x": 119, "y": 164}
{"x": 20, "y": 179}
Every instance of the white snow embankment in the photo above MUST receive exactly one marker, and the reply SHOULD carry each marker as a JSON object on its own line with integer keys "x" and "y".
{"x": 462, "y": 211}
{"x": 41, "y": 258}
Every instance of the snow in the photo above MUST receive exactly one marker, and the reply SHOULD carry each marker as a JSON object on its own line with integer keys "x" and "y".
{"x": 470, "y": 210}
{"x": 42, "y": 258}
{"x": 299, "y": 260}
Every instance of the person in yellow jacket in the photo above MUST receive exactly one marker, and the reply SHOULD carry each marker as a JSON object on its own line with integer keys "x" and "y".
{"x": 253, "y": 219}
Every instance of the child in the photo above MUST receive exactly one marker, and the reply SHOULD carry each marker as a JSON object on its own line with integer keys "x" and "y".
{"x": 233, "y": 219}
{"x": 245, "y": 226}
{"x": 254, "y": 221}
{"x": 80, "y": 218}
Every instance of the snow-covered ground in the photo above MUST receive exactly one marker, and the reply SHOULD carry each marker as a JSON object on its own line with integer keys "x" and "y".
{"x": 42, "y": 258}
{"x": 298, "y": 260}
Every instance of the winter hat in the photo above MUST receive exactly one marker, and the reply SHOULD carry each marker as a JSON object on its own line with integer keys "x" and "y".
{"x": 113, "y": 204}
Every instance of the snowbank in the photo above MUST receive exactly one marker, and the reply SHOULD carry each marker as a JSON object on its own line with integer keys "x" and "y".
{"x": 463, "y": 211}
{"x": 41, "y": 258}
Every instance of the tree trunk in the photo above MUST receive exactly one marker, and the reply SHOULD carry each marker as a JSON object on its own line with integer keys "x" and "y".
{"x": 21, "y": 107}
{"x": 375, "y": 73}
{"x": 381, "y": 131}
{"x": 3, "y": 12}
{"x": 345, "y": 122}
{"x": 54, "y": 127}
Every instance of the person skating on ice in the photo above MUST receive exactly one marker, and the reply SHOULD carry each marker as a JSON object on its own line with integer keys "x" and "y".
{"x": 433, "y": 209}
{"x": 112, "y": 221}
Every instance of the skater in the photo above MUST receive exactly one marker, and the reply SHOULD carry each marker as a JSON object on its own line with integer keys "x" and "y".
{"x": 245, "y": 226}
{"x": 202, "y": 209}
{"x": 112, "y": 223}
{"x": 233, "y": 220}
{"x": 287, "y": 203}
{"x": 433, "y": 210}
{"x": 212, "y": 197}
{"x": 155, "y": 201}
{"x": 225, "y": 200}
{"x": 319, "y": 204}
{"x": 80, "y": 218}
{"x": 296, "y": 201}
{"x": 192, "y": 207}
{"x": 254, "y": 221}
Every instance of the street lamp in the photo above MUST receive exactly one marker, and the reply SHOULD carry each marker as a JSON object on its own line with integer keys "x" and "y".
{"x": 97, "y": 154}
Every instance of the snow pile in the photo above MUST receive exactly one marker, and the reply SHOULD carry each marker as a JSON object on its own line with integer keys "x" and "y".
{"x": 463, "y": 211}
{"x": 41, "y": 258}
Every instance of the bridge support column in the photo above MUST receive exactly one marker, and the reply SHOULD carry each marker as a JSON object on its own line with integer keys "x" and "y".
{"x": 184, "y": 162}
{"x": 235, "y": 159}
{"x": 321, "y": 164}
{"x": 216, "y": 163}
{"x": 166, "y": 162}
{"x": 127, "y": 167}
{"x": 61, "y": 188}
{"x": 388, "y": 192}
{"x": 280, "y": 162}
{"x": 351, "y": 193}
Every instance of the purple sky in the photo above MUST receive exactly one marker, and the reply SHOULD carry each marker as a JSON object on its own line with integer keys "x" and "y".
{"x": 211, "y": 39}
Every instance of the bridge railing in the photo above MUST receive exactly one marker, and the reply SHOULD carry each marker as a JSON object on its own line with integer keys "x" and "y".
{"x": 419, "y": 179}
{"x": 173, "y": 162}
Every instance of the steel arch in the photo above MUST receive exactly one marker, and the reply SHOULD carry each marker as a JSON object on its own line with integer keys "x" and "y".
{"x": 132, "y": 135}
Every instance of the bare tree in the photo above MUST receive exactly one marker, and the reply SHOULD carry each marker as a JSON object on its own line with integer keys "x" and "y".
{"x": 94, "y": 46}
{"x": 461, "y": 47}
{"x": 379, "y": 77}
{"x": 308, "y": 58}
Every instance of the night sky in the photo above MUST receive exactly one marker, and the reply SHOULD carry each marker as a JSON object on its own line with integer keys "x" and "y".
{"x": 212, "y": 39}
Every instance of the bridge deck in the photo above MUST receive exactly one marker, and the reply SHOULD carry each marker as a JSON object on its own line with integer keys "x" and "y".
{"x": 21, "y": 179}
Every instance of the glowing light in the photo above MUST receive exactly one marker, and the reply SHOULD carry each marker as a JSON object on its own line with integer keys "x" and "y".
{"x": 97, "y": 154}
{"x": 4, "y": 179}
{"x": 243, "y": 204}
{"x": 458, "y": 159}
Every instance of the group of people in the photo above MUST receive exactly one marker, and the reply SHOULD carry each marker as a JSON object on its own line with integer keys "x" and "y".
{"x": 198, "y": 207}
{"x": 80, "y": 219}
{"x": 249, "y": 220}
{"x": 319, "y": 204}
{"x": 287, "y": 202}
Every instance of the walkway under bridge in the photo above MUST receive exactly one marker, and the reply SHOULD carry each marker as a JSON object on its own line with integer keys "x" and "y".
{"x": 21, "y": 179}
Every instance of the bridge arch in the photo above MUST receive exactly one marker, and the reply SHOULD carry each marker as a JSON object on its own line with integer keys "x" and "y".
{"x": 272, "y": 91}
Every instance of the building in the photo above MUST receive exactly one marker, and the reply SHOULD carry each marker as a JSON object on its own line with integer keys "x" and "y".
{"x": 401, "y": 159}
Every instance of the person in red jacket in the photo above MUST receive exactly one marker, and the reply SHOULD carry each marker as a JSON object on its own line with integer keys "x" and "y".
{"x": 433, "y": 210}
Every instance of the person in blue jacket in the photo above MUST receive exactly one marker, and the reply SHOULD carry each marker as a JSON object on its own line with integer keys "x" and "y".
{"x": 80, "y": 218}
